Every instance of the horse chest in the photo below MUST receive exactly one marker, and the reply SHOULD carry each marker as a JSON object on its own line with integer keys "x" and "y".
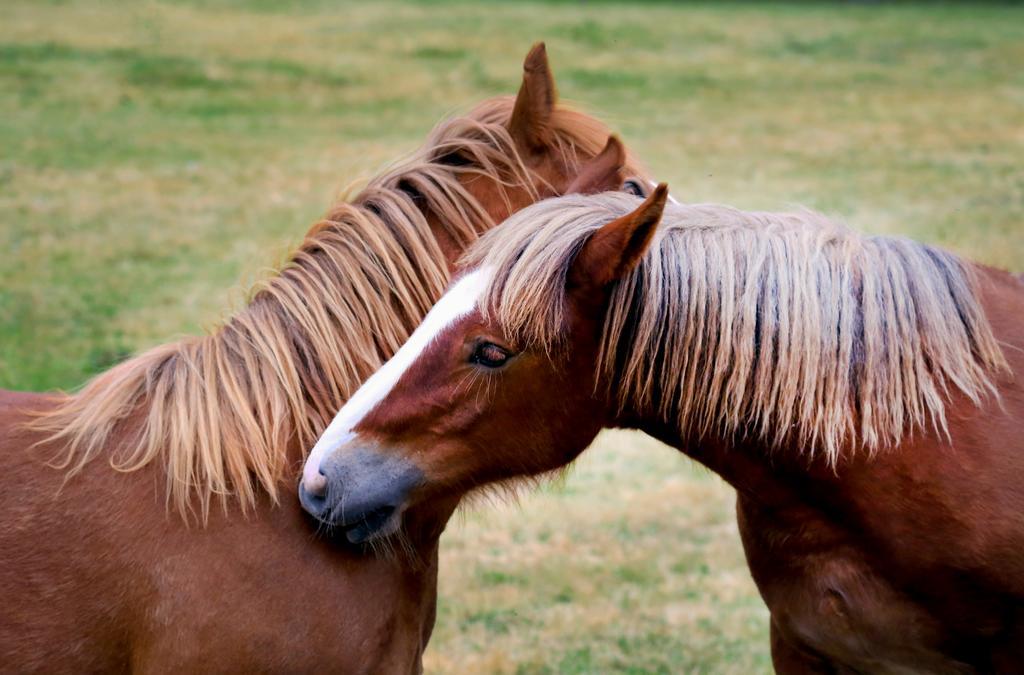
{"x": 262, "y": 595}
{"x": 249, "y": 623}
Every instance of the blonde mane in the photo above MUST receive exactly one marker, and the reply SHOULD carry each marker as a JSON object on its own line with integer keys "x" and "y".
{"x": 221, "y": 409}
{"x": 786, "y": 327}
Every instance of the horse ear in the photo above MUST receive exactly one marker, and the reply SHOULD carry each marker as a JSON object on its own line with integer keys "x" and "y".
{"x": 530, "y": 124}
{"x": 615, "y": 249}
{"x": 604, "y": 172}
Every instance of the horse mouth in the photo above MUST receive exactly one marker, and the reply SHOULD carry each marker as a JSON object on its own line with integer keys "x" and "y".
{"x": 374, "y": 524}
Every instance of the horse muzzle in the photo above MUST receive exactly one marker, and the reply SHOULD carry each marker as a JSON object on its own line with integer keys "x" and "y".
{"x": 363, "y": 491}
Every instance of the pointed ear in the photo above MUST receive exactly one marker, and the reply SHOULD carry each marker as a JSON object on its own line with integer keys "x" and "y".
{"x": 614, "y": 250}
{"x": 530, "y": 124}
{"x": 602, "y": 173}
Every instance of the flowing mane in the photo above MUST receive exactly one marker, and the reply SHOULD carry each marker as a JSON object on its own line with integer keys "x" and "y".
{"x": 220, "y": 409}
{"x": 783, "y": 326}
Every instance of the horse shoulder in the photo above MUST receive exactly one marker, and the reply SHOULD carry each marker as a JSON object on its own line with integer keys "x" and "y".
{"x": 830, "y": 604}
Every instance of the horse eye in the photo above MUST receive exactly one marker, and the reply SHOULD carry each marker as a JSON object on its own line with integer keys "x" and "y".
{"x": 490, "y": 355}
{"x": 633, "y": 188}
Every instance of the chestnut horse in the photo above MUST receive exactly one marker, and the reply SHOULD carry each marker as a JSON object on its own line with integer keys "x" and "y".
{"x": 96, "y": 575}
{"x": 856, "y": 391}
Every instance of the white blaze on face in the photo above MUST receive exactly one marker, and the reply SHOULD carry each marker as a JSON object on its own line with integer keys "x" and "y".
{"x": 459, "y": 300}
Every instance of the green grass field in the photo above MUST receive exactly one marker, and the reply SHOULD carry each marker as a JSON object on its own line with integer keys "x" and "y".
{"x": 156, "y": 158}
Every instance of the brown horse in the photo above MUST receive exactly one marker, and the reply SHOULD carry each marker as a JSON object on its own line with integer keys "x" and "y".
{"x": 96, "y": 575}
{"x": 856, "y": 391}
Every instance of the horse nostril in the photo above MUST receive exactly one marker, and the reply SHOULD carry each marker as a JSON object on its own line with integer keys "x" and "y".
{"x": 317, "y": 486}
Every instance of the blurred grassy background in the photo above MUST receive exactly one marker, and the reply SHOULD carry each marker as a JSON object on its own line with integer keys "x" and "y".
{"x": 156, "y": 157}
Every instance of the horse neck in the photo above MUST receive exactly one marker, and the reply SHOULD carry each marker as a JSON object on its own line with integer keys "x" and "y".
{"x": 809, "y": 335}
{"x": 783, "y": 475}
{"x": 220, "y": 411}
{"x": 332, "y": 320}
{"x": 780, "y": 478}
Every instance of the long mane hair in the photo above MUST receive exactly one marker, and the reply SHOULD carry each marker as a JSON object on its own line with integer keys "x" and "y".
{"x": 785, "y": 327}
{"x": 219, "y": 410}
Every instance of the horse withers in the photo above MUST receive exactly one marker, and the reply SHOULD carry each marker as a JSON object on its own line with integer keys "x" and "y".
{"x": 97, "y": 576}
{"x": 858, "y": 392}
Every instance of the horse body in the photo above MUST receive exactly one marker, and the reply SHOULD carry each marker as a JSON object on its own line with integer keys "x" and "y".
{"x": 103, "y": 579}
{"x": 192, "y": 554}
{"x": 858, "y": 392}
